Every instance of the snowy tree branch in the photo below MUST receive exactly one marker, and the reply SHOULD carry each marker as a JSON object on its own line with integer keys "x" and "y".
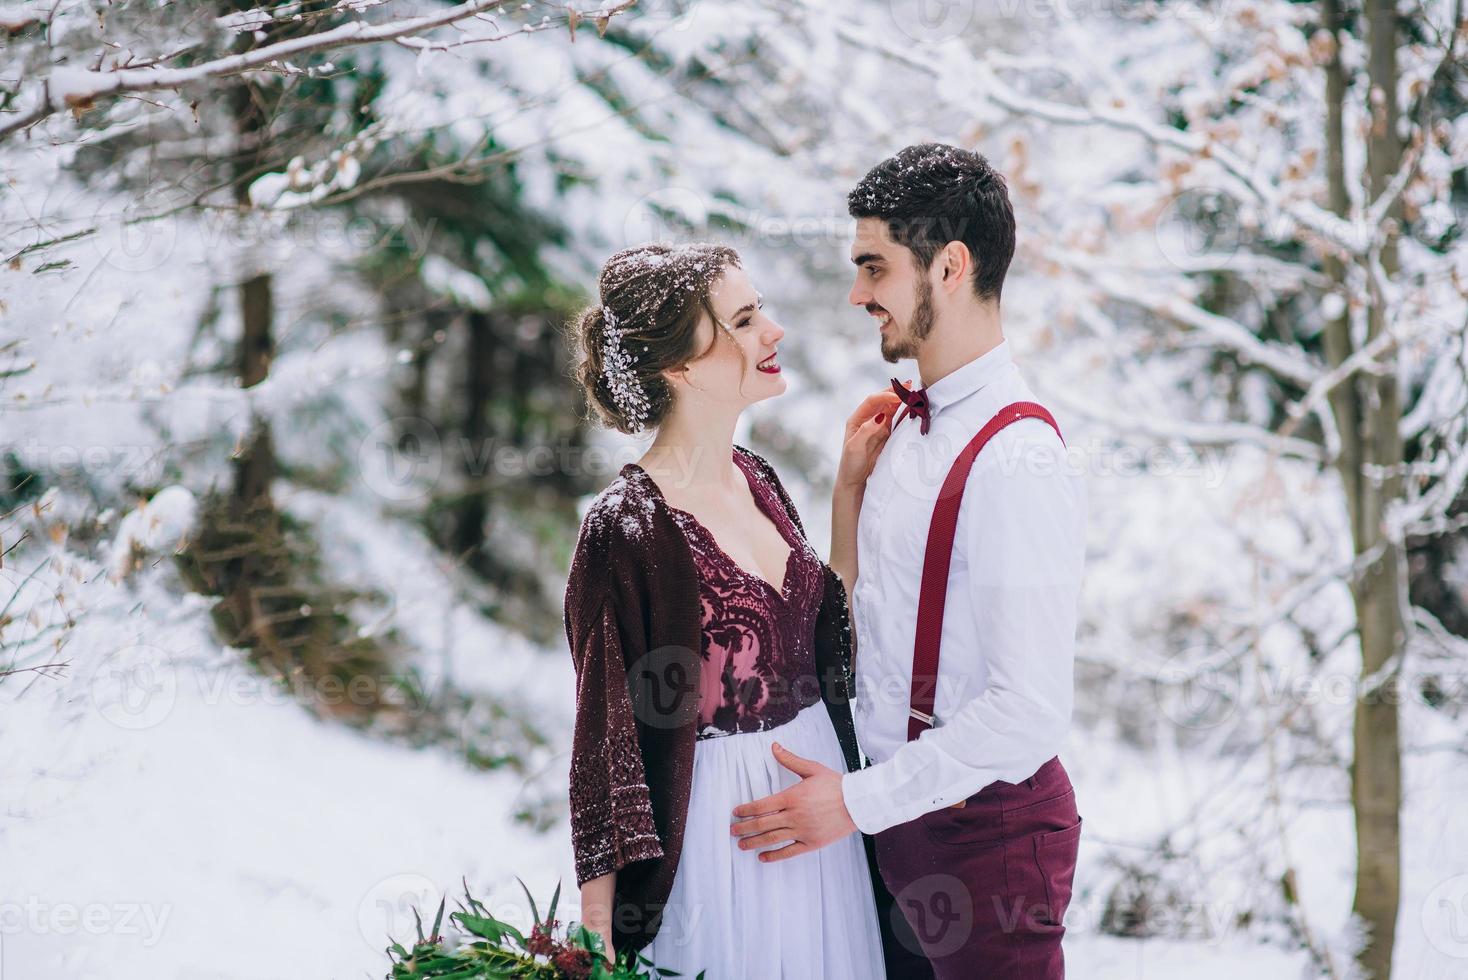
{"x": 1335, "y": 232}
{"x": 1285, "y": 362}
{"x": 1198, "y": 435}
{"x": 77, "y": 88}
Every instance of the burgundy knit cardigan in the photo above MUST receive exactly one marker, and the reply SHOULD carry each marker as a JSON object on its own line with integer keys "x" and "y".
{"x": 634, "y": 626}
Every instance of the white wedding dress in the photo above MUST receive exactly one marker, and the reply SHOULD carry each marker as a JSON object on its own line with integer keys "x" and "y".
{"x": 736, "y": 918}
{"x": 730, "y": 915}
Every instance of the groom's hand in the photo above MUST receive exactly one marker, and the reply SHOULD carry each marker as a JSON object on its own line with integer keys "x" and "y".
{"x": 812, "y": 813}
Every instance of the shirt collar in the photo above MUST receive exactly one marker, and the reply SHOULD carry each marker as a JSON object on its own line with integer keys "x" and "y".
{"x": 968, "y": 378}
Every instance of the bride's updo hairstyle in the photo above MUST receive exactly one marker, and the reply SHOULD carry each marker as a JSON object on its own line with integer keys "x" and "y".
{"x": 652, "y": 297}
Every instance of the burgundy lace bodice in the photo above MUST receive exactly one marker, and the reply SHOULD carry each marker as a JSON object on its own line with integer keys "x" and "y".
{"x": 633, "y": 589}
{"x": 758, "y": 660}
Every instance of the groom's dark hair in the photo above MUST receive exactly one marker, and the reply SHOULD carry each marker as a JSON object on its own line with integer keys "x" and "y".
{"x": 932, "y": 194}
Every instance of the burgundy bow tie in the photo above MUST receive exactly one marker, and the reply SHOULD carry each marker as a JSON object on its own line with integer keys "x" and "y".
{"x": 916, "y": 403}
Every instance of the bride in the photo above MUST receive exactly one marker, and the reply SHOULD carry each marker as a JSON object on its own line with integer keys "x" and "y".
{"x": 703, "y": 628}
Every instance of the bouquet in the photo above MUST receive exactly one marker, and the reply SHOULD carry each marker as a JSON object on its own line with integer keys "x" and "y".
{"x": 495, "y": 949}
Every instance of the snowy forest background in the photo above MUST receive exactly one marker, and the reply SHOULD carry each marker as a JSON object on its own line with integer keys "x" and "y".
{"x": 292, "y": 461}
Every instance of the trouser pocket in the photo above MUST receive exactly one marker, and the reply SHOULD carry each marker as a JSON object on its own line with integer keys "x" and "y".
{"x": 1040, "y": 874}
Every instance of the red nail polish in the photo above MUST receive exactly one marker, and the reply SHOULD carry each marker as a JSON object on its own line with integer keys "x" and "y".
{"x": 880, "y": 417}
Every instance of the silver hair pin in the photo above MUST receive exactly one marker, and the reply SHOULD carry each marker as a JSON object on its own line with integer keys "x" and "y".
{"x": 617, "y": 366}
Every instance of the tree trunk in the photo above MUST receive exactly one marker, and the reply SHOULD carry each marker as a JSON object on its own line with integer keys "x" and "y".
{"x": 472, "y": 511}
{"x": 1376, "y": 772}
{"x": 251, "y": 506}
{"x": 1344, "y": 398}
{"x": 255, "y": 466}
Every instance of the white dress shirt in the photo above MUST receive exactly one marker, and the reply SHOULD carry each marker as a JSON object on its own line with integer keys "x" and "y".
{"x": 1006, "y": 670}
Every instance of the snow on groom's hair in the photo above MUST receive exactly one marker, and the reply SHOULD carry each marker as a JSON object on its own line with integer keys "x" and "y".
{"x": 932, "y": 194}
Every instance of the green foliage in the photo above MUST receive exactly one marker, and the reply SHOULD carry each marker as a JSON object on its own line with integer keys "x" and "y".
{"x": 493, "y": 949}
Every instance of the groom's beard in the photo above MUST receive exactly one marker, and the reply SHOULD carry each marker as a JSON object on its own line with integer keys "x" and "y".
{"x": 897, "y": 345}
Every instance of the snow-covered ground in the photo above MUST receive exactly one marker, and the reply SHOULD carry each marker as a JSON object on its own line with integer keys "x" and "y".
{"x": 170, "y": 815}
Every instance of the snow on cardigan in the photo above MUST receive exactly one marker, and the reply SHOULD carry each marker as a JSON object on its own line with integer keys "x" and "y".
{"x": 633, "y": 623}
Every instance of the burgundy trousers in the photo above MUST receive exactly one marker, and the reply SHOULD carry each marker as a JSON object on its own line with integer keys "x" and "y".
{"x": 984, "y": 887}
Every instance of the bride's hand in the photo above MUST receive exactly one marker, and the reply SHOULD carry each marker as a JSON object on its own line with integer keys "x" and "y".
{"x": 866, "y": 433}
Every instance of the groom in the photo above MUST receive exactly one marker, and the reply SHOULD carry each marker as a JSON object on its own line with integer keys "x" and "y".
{"x": 971, "y": 544}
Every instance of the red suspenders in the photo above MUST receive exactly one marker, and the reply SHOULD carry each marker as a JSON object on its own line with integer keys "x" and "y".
{"x": 938, "y": 556}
